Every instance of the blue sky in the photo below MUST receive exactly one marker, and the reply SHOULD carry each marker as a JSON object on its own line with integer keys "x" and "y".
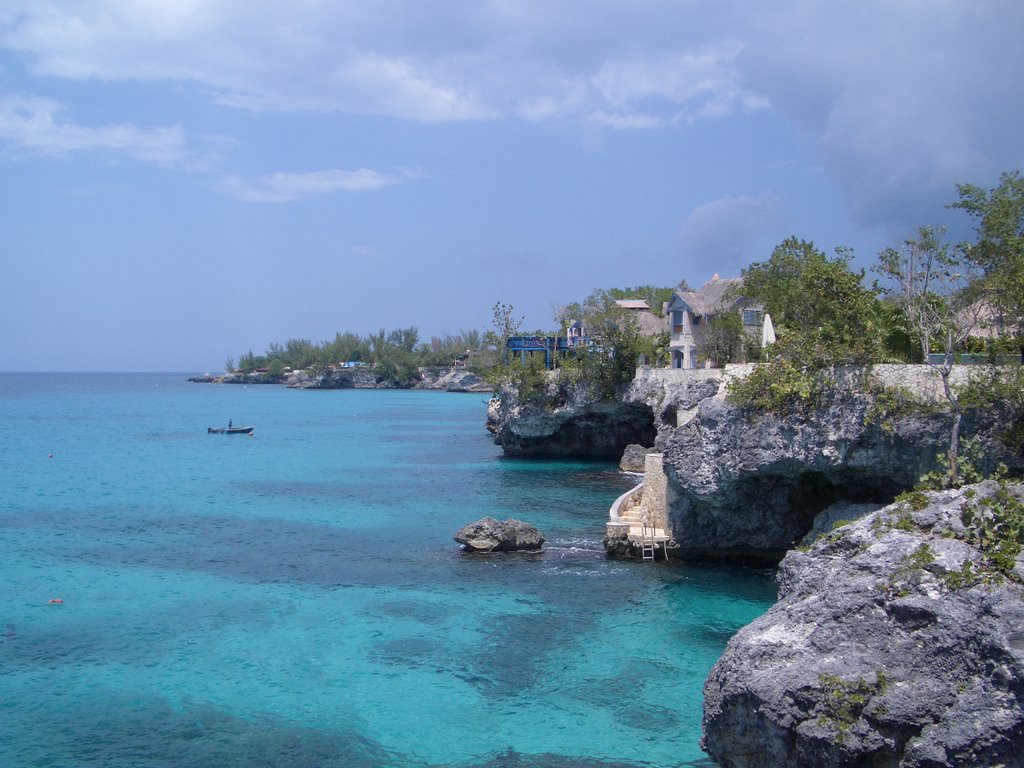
{"x": 185, "y": 180}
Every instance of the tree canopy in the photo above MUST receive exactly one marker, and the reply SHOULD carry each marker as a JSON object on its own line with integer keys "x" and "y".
{"x": 999, "y": 250}
{"x": 823, "y": 313}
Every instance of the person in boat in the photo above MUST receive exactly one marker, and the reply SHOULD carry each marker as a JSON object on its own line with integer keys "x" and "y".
{"x": 229, "y": 423}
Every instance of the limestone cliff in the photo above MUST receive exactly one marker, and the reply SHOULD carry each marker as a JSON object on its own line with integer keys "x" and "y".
{"x": 897, "y": 640}
{"x": 592, "y": 430}
{"x": 566, "y": 421}
{"x": 748, "y": 485}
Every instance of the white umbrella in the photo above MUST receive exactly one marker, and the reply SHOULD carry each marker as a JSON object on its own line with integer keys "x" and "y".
{"x": 767, "y": 332}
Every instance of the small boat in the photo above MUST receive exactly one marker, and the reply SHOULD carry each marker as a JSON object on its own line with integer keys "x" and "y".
{"x": 229, "y": 430}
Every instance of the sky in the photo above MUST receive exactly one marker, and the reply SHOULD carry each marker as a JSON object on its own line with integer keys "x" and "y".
{"x": 183, "y": 181}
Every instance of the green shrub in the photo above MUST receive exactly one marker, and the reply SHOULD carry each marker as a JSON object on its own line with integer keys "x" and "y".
{"x": 843, "y": 701}
{"x": 890, "y": 404}
{"x": 778, "y": 387}
{"x": 969, "y": 460}
{"x": 995, "y": 524}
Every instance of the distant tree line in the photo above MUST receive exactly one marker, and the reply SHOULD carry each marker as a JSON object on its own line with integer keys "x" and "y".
{"x": 396, "y": 354}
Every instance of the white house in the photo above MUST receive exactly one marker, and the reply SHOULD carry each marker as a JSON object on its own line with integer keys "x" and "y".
{"x": 688, "y": 313}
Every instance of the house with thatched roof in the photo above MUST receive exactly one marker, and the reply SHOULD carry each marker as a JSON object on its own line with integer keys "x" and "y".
{"x": 649, "y": 323}
{"x": 689, "y": 313}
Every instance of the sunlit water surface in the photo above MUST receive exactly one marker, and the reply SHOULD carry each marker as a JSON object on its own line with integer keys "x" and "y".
{"x": 296, "y": 599}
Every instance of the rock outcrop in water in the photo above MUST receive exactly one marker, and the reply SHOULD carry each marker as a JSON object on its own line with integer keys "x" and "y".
{"x": 595, "y": 430}
{"x": 565, "y": 421}
{"x": 490, "y": 535}
{"x": 896, "y": 641}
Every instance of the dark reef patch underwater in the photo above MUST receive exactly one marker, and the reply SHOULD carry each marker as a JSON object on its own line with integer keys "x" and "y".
{"x": 295, "y": 598}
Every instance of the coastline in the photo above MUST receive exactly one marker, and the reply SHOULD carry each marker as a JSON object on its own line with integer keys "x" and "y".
{"x": 455, "y": 379}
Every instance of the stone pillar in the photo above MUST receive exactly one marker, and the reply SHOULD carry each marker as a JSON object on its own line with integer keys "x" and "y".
{"x": 653, "y": 505}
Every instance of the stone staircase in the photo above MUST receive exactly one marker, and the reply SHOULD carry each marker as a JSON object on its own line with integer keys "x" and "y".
{"x": 641, "y": 532}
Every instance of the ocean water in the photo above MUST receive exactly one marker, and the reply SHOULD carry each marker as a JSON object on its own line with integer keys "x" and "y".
{"x": 295, "y": 598}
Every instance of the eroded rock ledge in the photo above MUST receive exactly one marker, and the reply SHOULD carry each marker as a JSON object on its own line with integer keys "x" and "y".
{"x": 748, "y": 486}
{"x": 885, "y": 649}
{"x": 594, "y": 430}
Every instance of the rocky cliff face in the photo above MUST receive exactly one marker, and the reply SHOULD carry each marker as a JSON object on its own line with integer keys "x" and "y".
{"x": 594, "y": 430}
{"x": 896, "y": 641}
{"x": 647, "y": 414}
{"x": 748, "y": 486}
{"x": 566, "y": 421}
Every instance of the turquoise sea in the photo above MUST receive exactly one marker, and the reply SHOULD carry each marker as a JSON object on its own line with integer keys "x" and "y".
{"x": 295, "y": 598}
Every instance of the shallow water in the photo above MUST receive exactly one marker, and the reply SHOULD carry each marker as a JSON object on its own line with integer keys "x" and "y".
{"x": 295, "y": 598}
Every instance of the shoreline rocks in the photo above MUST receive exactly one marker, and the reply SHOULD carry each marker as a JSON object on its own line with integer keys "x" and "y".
{"x": 895, "y": 642}
{"x": 634, "y": 458}
{"x": 362, "y": 377}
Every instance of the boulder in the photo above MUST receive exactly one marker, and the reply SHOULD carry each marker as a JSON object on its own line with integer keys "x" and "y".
{"x": 634, "y": 458}
{"x": 884, "y": 649}
{"x": 490, "y": 535}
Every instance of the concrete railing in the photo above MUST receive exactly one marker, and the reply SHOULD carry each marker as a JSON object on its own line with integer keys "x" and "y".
{"x": 613, "y": 512}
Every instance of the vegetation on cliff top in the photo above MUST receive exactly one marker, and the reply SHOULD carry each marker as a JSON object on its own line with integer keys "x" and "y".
{"x": 937, "y": 301}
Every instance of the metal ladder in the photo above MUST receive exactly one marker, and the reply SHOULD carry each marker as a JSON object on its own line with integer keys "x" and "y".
{"x": 647, "y": 543}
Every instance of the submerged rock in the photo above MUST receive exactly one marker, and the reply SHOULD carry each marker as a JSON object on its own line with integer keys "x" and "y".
{"x": 896, "y": 641}
{"x": 490, "y": 535}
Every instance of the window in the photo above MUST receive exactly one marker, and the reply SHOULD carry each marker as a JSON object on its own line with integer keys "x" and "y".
{"x": 751, "y": 316}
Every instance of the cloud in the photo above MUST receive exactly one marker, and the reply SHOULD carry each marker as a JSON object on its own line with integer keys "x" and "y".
{"x": 902, "y": 100}
{"x": 36, "y": 125}
{"x": 287, "y": 187}
{"x": 704, "y": 79}
{"x": 899, "y": 100}
{"x": 428, "y": 62}
{"x": 726, "y": 234}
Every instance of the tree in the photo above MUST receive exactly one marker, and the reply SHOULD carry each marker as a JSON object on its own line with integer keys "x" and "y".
{"x": 506, "y": 325}
{"x": 723, "y": 338}
{"x": 999, "y": 251}
{"x": 822, "y": 312}
{"x": 931, "y": 283}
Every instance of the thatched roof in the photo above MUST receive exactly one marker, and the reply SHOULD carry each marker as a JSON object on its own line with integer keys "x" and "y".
{"x": 635, "y": 304}
{"x": 650, "y": 324}
{"x": 712, "y": 297}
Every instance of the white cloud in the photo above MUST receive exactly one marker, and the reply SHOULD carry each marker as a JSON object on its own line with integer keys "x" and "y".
{"x": 432, "y": 63}
{"x": 705, "y": 77}
{"x": 900, "y": 99}
{"x": 287, "y": 187}
{"x": 37, "y": 125}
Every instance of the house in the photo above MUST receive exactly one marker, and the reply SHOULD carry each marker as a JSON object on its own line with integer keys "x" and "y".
{"x": 649, "y": 323}
{"x": 689, "y": 312}
{"x": 574, "y": 335}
